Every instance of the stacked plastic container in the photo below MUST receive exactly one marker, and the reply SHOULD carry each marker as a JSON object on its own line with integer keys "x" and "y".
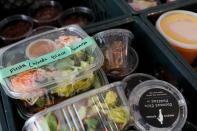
{"x": 46, "y": 69}
{"x": 100, "y": 109}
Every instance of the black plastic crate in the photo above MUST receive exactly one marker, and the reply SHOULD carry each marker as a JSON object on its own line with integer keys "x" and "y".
{"x": 3, "y": 123}
{"x": 103, "y": 9}
{"x": 155, "y": 59}
{"x": 150, "y": 19}
{"x": 160, "y": 3}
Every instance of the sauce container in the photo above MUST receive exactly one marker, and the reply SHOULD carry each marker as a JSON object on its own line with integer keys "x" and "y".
{"x": 77, "y": 15}
{"x": 157, "y": 106}
{"x": 45, "y": 12}
{"x": 170, "y": 1}
{"x": 138, "y": 5}
{"x": 42, "y": 29}
{"x": 120, "y": 58}
{"x": 179, "y": 28}
{"x": 134, "y": 79}
{"x": 92, "y": 81}
{"x": 15, "y": 28}
{"x": 28, "y": 73}
{"x": 102, "y": 109}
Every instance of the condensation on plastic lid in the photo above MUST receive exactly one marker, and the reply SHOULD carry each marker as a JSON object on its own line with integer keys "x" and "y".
{"x": 171, "y": 40}
{"x": 157, "y": 105}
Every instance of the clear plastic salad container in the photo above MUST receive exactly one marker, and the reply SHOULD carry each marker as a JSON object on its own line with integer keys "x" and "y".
{"x": 102, "y": 109}
{"x": 94, "y": 81}
{"x": 41, "y": 63}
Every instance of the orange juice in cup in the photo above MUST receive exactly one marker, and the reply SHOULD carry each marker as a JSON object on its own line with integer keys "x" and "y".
{"x": 179, "y": 27}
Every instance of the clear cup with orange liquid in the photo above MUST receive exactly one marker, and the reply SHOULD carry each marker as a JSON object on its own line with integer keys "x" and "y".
{"x": 179, "y": 27}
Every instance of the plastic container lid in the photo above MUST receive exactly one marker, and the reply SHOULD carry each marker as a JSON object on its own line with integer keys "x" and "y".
{"x": 173, "y": 41}
{"x": 158, "y": 106}
{"x": 16, "y": 27}
{"x": 80, "y": 15}
{"x": 105, "y": 108}
{"x": 44, "y": 12}
{"x": 134, "y": 79}
{"x": 58, "y": 56}
{"x": 41, "y": 29}
{"x": 139, "y": 5}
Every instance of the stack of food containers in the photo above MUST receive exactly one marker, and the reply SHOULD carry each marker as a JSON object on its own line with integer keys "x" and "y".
{"x": 102, "y": 109}
{"x": 43, "y": 71}
{"x": 46, "y": 69}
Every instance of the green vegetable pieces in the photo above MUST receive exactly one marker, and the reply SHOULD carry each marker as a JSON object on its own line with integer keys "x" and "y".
{"x": 52, "y": 121}
{"x": 91, "y": 124}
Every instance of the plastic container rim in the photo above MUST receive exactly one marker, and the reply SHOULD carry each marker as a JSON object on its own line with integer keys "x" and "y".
{"x": 171, "y": 40}
{"x": 76, "y": 29}
{"x": 141, "y": 88}
{"x": 76, "y": 9}
{"x": 117, "y": 85}
{"x": 14, "y": 18}
{"x": 52, "y": 3}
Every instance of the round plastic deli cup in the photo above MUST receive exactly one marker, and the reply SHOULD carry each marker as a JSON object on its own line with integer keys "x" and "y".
{"x": 138, "y": 5}
{"x": 158, "y": 106}
{"x": 41, "y": 29}
{"x": 94, "y": 110}
{"x": 77, "y": 15}
{"x": 120, "y": 58}
{"x": 179, "y": 28}
{"x": 45, "y": 12}
{"x": 92, "y": 81}
{"x": 41, "y": 63}
{"x": 14, "y": 28}
{"x": 135, "y": 79}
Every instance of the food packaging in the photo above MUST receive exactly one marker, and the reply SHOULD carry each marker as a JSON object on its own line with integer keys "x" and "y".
{"x": 38, "y": 65}
{"x": 120, "y": 58}
{"x": 102, "y": 109}
{"x": 179, "y": 28}
{"x": 138, "y": 5}
{"x": 45, "y": 12}
{"x": 93, "y": 81}
{"x": 15, "y": 28}
{"x": 41, "y": 29}
{"x": 157, "y": 106}
{"x": 77, "y": 15}
{"x": 134, "y": 79}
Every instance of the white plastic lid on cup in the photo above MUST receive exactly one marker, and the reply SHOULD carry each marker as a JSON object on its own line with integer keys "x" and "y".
{"x": 158, "y": 106}
{"x": 170, "y": 39}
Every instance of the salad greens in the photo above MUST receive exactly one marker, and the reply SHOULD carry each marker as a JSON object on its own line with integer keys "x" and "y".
{"x": 52, "y": 121}
{"x": 101, "y": 112}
